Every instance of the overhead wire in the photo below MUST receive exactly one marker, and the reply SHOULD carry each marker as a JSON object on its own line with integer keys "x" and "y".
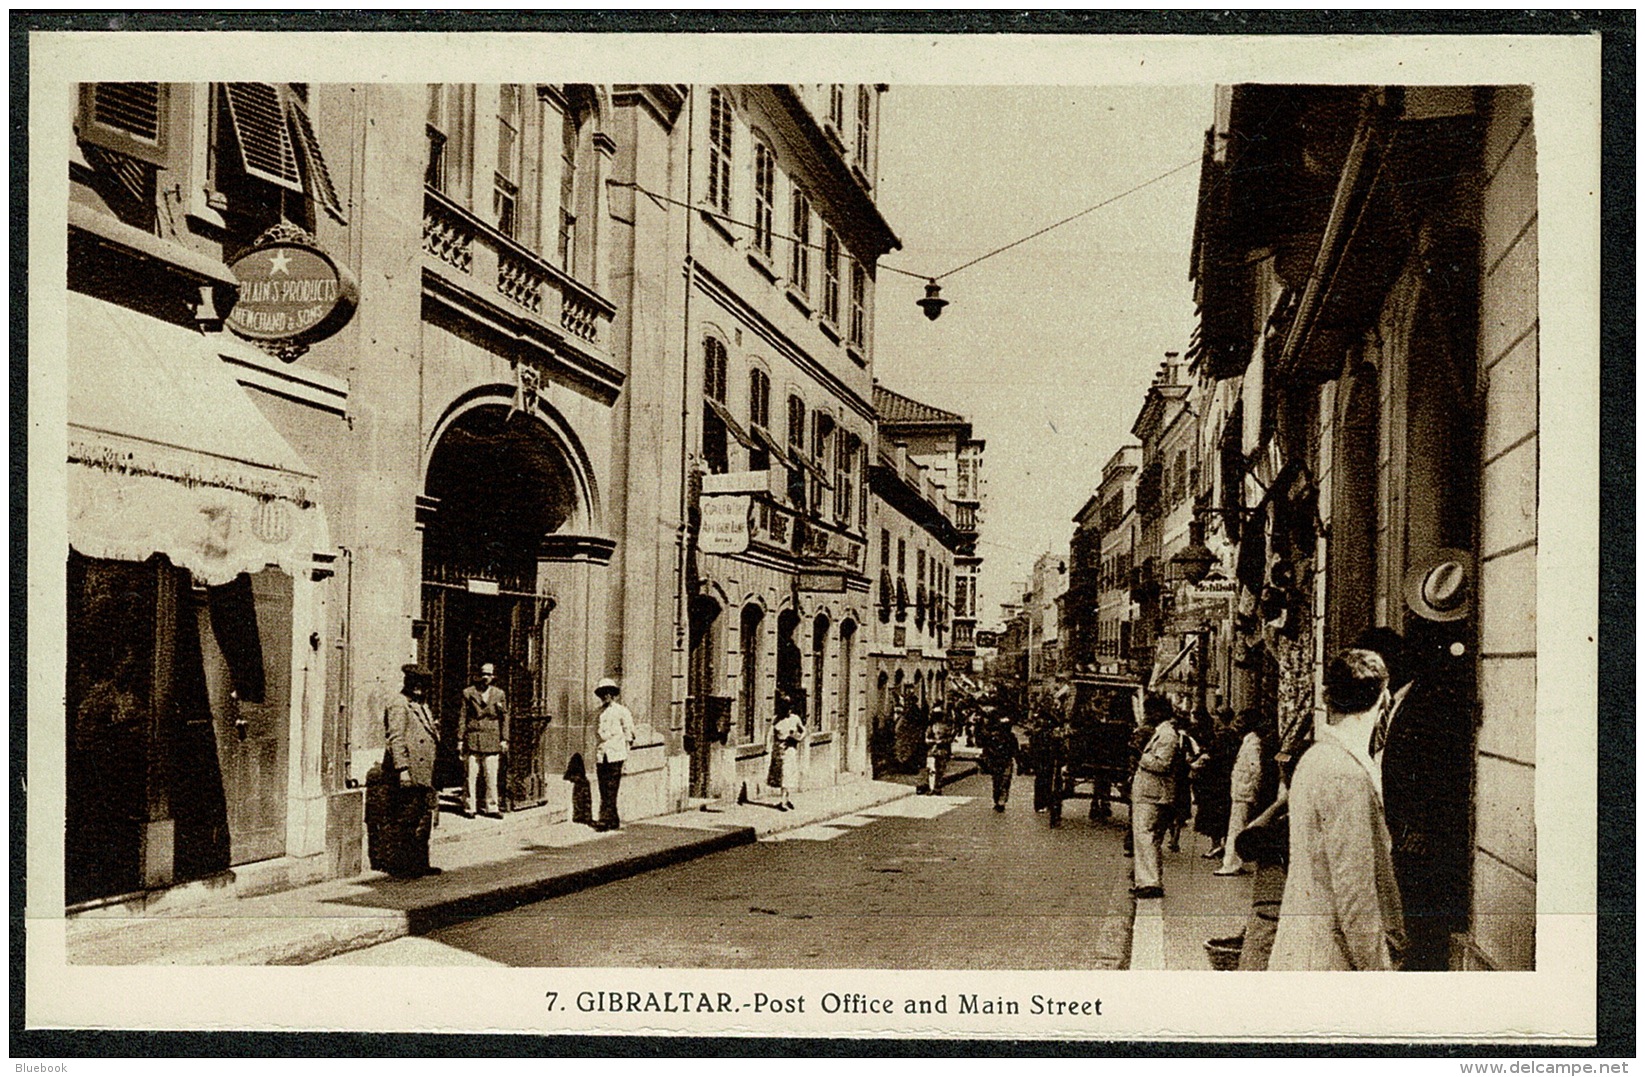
{"x": 730, "y": 220}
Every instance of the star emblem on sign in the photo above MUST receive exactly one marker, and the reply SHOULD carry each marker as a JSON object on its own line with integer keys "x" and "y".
{"x": 279, "y": 262}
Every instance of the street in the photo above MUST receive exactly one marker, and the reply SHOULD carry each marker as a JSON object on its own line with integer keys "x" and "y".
{"x": 925, "y": 882}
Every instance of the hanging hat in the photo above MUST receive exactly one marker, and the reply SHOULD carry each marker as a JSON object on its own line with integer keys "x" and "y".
{"x": 1441, "y": 588}
{"x": 606, "y": 684}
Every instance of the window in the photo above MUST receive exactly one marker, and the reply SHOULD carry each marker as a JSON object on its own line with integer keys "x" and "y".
{"x": 965, "y": 478}
{"x": 858, "y": 331}
{"x": 885, "y": 548}
{"x": 831, "y": 275}
{"x": 822, "y": 441}
{"x": 799, "y": 261}
{"x": 505, "y": 194}
{"x": 714, "y": 364}
{"x": 796, "y": 423}
{"x": 864, "y": 103}
{"x": 716, "y": 449}
{"x": 845, "y": 462}
{"x": 765, "y": 183}
{"x": 719, "y": 151}
{"x": 836, "y": 106}
{"x": 759, "y": 416}
{"x": 265, "y": 136}
{"x": 434, "y": 172}
{"x": 567, "y": 240}
{"x": 127, "y": 117}
{"x": 902, "y": 557}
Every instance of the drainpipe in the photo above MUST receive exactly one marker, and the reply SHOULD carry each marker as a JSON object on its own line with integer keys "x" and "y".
{"x": 1352, "y": 195}
{"x": 685, "y": 544}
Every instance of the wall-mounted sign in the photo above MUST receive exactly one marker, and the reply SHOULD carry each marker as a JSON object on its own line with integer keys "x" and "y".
{"x": 725, "y": 524}
{"x": 291, "y": 293}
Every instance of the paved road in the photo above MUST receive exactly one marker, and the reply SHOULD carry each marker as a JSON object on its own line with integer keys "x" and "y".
{"x": 925, "y": 882}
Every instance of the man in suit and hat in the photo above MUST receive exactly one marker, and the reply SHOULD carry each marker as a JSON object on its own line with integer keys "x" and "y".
{"x": 1426, "y": 754}
{"x": 616, "y": 732}
{"x": 483, "y": 735}
{"x": 411, "y": 735}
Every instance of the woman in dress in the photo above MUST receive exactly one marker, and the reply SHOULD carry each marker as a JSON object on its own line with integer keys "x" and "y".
{"x": 786, "y": 736}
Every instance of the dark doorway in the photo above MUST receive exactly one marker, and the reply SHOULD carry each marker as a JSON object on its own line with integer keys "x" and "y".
{"x": 789, "y": 675}
{"x": 702, "y": 679}
{"x": 748, "y": 683}
{"x": 497, "y": 484}
{"x": 819, "y": 672}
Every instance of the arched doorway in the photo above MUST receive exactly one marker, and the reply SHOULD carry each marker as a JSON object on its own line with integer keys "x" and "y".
{"x": 498, "y": 482}
{"x": 748, "y": 681}
{"x": 819, "y": 673}
{"x": 702, "y": 682}
{"x": 851, "y": 749}
{"x": 789, "y": 676}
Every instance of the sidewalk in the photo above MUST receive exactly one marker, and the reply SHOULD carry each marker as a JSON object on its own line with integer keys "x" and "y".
{"x": 1170, "y": 932}
{"x": 485, "y": 869}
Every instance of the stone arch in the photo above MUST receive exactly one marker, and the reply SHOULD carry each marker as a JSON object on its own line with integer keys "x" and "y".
{"x": 586, "y": 513}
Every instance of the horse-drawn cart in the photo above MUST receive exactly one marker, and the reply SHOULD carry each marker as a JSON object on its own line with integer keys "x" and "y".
{"x": 1091, "y": 748}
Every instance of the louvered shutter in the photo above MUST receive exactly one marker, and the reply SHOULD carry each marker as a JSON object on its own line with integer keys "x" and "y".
{"x": 257, "y": 115}
{"x": 127, "y": 117}
{"x": 320, "y": 187}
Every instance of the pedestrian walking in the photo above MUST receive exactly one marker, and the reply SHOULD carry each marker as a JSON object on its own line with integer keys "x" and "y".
{"x": 787, "y": 735}
{"x": 1341, "y": 908}
{"x": 1153, "y": 791}
{"x": 1211, "y": 778}
{"x": 998, "y": 742}
{"x": 616, "y": 732}
{"x": 1189, "y": 755}
{"x": 483, "y": 734}
{"x": 939, "y": 745}
{"x": 1244, "y": 786}
{"x": 410, "y": 735}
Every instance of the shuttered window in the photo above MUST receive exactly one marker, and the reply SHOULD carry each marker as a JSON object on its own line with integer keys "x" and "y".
{"x": 274, "y": 141}
{"x": 128, "y": 117}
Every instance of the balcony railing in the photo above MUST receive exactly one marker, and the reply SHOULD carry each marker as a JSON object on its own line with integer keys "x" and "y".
{"x": 501, "y": 267}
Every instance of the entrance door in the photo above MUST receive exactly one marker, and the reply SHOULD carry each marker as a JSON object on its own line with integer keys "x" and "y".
{"x": 702, "y": 681}
{"x": 469, "y": 629}
{"x": 246, "y": 633}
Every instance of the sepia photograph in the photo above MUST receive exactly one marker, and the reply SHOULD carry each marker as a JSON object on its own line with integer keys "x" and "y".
{"x": 887, "y": 538}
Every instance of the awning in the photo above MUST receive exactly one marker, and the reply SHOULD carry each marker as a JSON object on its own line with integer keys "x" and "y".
{"x": 1162, "y": 672}
{"x": 771, "y": 444}
{"x": 168, "y": 455}
{"x": 810, "y": 465}
{"x": 723, "y": 413}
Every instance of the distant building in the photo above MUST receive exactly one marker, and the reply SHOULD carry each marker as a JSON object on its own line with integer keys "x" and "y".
{"x": 923, "y": 529}
{"x": 1117, "y": 527}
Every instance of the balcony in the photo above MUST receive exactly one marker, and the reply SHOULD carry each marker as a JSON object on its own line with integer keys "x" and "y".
{"x": 495, "y": 280}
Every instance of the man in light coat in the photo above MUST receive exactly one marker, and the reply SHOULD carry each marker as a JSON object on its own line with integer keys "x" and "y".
{"x": 1153, "y": 789}
{"x": 1341, "y": 908}
{"x": 616, "y": 733}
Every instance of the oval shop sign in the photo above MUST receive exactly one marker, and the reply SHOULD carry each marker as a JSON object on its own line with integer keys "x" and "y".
{"x": 290, "y": 292}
